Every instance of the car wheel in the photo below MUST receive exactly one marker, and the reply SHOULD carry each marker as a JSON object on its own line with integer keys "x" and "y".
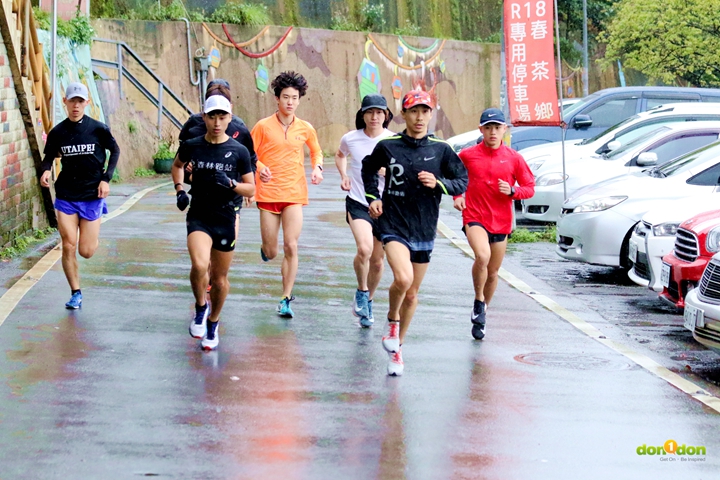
{"x": 625, "y": 250}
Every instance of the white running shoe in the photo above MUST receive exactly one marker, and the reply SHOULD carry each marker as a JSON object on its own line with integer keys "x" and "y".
{"x": 197, "y": 325}
{"x": 212, "y": 337}
{"x": 391, "y": 342}
{"x": 396, "y": 365}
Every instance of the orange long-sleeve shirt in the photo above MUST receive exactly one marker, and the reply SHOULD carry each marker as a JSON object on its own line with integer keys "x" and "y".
{"x": 283, "y": 153}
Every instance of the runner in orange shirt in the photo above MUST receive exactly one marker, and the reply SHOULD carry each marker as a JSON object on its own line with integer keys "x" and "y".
{"x": 281, "y": 183}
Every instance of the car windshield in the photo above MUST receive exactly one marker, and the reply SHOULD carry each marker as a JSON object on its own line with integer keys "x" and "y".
{"x": 684, "y": 162}
{"x": 609, "y": 130}
{"x": 657, "y": 133}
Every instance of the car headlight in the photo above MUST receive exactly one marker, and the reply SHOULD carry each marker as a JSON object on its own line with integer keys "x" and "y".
{"x": 712, "y": 242}
{"x": 599, "y": 204}
{"x": 665, "y": 229}
{"x": 552, "y": 178}
{"x": 535, "y": 165}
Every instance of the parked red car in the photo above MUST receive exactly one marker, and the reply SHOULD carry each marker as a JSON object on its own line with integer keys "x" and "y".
{"x": 696, "y": 241}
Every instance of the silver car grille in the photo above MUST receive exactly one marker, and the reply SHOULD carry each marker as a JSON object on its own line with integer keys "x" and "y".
{"x": 686, "y": 245}
{"x": 709, "y": 288}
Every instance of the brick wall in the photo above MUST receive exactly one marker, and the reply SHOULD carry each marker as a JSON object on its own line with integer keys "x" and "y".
{"x": 21, "y": 207}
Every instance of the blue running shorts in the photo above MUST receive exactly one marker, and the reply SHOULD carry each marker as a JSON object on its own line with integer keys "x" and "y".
{"x": 89, "y": 210}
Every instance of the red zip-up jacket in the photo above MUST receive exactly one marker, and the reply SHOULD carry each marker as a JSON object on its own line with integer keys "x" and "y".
{"x": 484, "y": 203}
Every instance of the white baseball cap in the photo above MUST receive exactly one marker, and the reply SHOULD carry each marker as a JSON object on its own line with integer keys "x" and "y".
{"x": 217, "y": 102}
{"x": 76, "y": 89}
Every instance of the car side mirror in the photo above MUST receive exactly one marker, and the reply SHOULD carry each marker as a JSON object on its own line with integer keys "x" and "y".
{"x": 614, "y": 145}
{"x": 582, "y": 121}
{"x": 646, "y": 159}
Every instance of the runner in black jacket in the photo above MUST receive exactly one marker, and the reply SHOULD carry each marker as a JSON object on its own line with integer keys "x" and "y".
{"x": 419, "y": 170}
{"x": 83, "y": 183}
{"x": 237, "y": 130}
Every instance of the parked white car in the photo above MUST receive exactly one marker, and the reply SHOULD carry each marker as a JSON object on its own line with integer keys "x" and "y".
{"x": 702, "y": 307}
{"x": 657, "y": 147}
{"x": 654, "y": 237}
{"x": 548, "y": 157}
{"x": 596, "y": 224}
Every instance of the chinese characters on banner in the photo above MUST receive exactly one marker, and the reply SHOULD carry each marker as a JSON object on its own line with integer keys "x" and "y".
{"x": 530, "y": 62}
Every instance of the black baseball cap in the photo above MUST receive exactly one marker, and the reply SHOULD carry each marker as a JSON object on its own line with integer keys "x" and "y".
{"x": 492, "y": 115}
{"x": 219, "y": 81}
{"x": 374, "y": 100}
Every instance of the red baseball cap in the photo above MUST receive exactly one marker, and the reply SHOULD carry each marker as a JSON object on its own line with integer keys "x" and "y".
{"x": 417, "y": 97}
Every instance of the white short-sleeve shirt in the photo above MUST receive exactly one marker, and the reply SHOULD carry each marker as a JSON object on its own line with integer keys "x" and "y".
{"x": 356, "y": 145}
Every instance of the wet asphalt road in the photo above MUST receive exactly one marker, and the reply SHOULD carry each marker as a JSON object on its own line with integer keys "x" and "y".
{"x": 119, "y": 389}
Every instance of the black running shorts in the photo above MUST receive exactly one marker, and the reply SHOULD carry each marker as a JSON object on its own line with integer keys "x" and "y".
{"x": 219, "y": 228}
{"x": 358, "y": 211}
{"x": 492, "y": 237}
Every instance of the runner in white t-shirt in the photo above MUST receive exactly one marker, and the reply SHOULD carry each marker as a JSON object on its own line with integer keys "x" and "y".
{"x": 371, "y": 122}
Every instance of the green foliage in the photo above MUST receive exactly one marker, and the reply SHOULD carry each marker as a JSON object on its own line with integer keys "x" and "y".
{"x": 373, "y": 17}
{"x": 677, "y": 40}
{"x": 144, "y": 172}
{"x": 116, "y": 177}
{"x": 164, "y": 150}
{"x": 19, "y": 244}
{"x": 343, "y": 23}
{"x": 241, "y": 14}
{"x": 132, "y": 126}
{"x": 42, "y": 18}
{"x": 523, "y": 235}
{"x": 409, "y": 29}
{"x": 78, "y": 29}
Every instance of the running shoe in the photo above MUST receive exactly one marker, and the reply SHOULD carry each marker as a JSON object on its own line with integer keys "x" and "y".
{"x": 391, "y": 342}
{"x": 366, "y": 322}
{"x": 212, "y": 337}
{"x": 395, "y": 365}
{"x": 477, "y": 317}
{"x": 283, "y": 308}
{"x": 360, "y": 304}
{"x": 75, "y": 301}
{"x": 197, "y": 325}
{"x": 263, "y": 256}
{"x": 370, "y": 314}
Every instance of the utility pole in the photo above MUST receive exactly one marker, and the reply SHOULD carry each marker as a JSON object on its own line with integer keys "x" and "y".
{"x": 586, "y": 87}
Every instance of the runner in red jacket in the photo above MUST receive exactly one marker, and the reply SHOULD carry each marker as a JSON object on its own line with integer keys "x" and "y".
{"x": 494, "y": 170}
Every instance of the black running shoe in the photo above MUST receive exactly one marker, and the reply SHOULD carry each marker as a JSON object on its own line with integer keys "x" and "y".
{"x": 477, "y": 317}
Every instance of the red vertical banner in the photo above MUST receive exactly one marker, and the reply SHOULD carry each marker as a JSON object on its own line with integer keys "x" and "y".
{"x": 530, "y": 62}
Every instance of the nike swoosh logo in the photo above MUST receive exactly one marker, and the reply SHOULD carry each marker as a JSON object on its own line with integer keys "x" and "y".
{"x": 491, "y": 115}
{"x": 473, "y": 316}
{"x": 428, "y": 158}
{"x": 358, "y": 310}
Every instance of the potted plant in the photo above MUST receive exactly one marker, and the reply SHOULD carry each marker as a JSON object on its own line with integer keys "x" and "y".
{"x": 164, "y": 157}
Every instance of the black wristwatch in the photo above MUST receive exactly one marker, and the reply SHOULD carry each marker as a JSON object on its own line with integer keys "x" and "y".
{"x": 233, "y": 184}
{"x": 320, "y": 167}
{"x": 512, "y": 191}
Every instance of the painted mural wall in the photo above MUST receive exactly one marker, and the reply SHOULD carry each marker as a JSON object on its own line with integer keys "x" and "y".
{"x": 464, "y": 77}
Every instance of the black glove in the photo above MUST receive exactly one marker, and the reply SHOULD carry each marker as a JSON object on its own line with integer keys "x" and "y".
{"x": 223, "y": 180}
{"x": 182, "y": 200}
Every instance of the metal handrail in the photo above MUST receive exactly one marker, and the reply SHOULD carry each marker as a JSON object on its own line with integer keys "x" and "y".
{"x": 162, "y": 86}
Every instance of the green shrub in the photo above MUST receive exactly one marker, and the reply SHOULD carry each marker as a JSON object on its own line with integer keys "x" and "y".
{"x": 164, "y": 150}
{"x": 373, "y": 17}
{"x": 252, "y": 14}
{"x": 409, "y": 29}
{"x": 144, "y": 172}
{"x": 341, "y": 22}
{"x": 523, "y": 235}
{"x": 78, "y": 29}
{"x": 19, "y": 244}
{"x": 132, "y": 126}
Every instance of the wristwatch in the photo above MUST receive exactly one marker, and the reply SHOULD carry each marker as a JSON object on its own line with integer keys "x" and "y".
{"x": 512, "y": 191}
{"x": 233, "y": 184}
{"x": 320, "y": 167}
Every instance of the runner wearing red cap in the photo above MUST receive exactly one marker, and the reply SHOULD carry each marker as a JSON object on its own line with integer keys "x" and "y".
{"x": 419, "y": 170}
{"x": 493, "y": 170}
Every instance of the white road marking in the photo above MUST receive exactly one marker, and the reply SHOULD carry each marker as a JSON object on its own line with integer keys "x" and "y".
{"x": 12, "y": 297}
{"x": 690, "y": 388}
